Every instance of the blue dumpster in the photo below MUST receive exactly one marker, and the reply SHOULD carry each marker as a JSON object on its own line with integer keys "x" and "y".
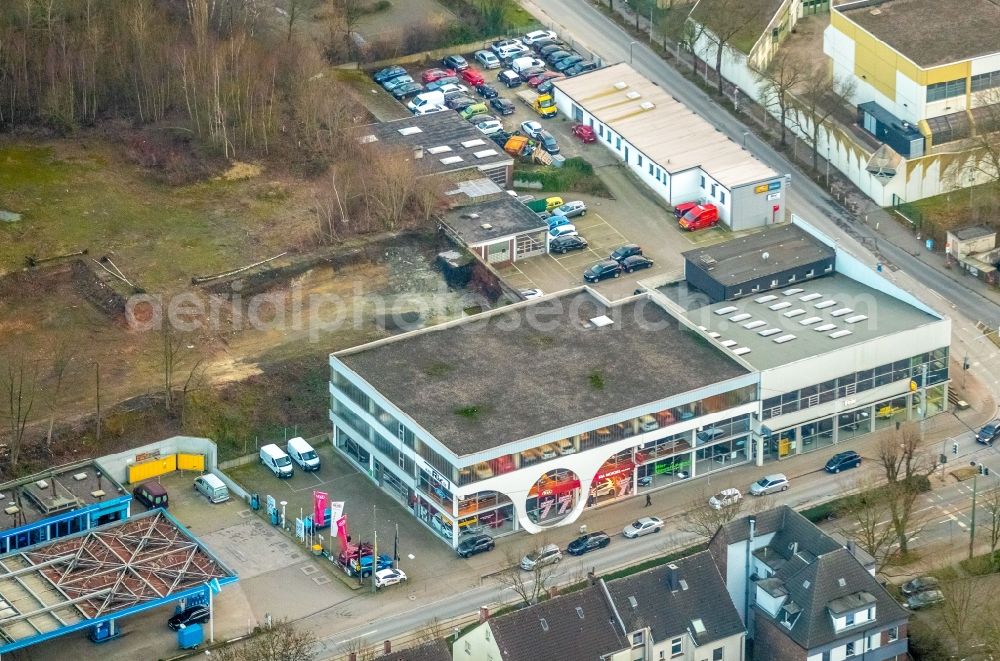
{"x": 274, "y": 517}
{"x": 255, "y": 502}
{"x": 190, "y": 636}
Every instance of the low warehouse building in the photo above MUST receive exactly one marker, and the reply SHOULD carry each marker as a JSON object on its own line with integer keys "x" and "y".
{"x": 677, "y": 154}
{"x": 500, "y": 231}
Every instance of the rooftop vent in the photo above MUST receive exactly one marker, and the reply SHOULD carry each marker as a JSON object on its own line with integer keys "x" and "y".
{"x": 621, "y": 85}
{"x": 809, "y": 321}
{"x": 79, "y": 477}
{"x": 784, "y": 338}
{"x": 473, "y": 143}
{"x": 740, "y": 317}
{"x": 841, "y": 582}
{"x": 822, "y": 305}
{"x": 793, "y": 291}
{"x": 365, "y": 139}
{"x": 856, "y": 318}
{"x": 486, "y": 153}
{"x": 795, "y": 313}
{"x": 451, "y": 160}
{"x": 632, "y": 94}
{"x": 579, "y": 612}
{"x": 780, "y": 306}
{"x": 767, "y": 298}
{"x": 806, "y": 584}
{"x": 839, "y": 334}
{"x": 647, "y": 105}
{"x": 486, "y": 226}
{"x": 683, "y": 584}
{"x": 98, "y": 493}
{"x": 707, "y": 260}
{"x": 12, "y": 510}
{"x": 768, "y": 332}
{"x": 810, "y": 297}
{"x": 410, "y": 130}
{"x": 42, "y": 484}
{"x": 841, "y": 312}
{"x": 741, "y": 351}
{"x": 753, "y": 324}
{"x": 602, "y": 321}
{"x": 418, "y": 152}
{"x": 728, "y": 343}
{"x": 544, "y": 623}
{"x": 440, "y": 149}
{"x": 726, "y": 310}
{"x": 825, "y": 327}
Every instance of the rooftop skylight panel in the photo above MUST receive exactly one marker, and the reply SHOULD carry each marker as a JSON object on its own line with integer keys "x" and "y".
{"x": 822, "y": 305}
{"x": 825, "y": 327}
{"x": 726, "y": 310}
{"x": 768, "y": 332}
{"x": 810, "y": 297}
{"x": 766, "y": 298}
{"x": 757, "y": 323}
{"x": 793, "y": 291}
{"x": 784, "y": 338}
{"x": 841, "y": 312}
{"x": 780, "y": 306}
{"x": 740, "y": 317}
{"x": 795, "y": 313}
{"x": 856, "y": 318}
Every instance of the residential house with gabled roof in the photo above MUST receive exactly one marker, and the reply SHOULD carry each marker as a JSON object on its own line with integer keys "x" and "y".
{"x": 803, "y": 594}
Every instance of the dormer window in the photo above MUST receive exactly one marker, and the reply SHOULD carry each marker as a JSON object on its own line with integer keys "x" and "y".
{"x": 637, "y": 639}
{"x": 849, "y": 620}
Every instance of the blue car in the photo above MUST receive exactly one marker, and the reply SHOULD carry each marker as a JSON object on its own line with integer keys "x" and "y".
{"x": 843, "y": 461}
{"x": 396, "y": 83}
{"x": 364, "y": 566}
{"x": 388, "y": 73}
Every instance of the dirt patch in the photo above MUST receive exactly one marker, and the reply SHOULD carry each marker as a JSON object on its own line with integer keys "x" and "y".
{"x": 239, "y": 171}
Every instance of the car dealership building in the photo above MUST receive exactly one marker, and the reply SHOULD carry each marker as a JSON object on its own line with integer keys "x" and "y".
{"x": 522, "y": 417}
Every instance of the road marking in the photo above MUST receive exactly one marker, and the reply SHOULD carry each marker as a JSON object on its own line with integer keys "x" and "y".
{"x": 360, "y": 635}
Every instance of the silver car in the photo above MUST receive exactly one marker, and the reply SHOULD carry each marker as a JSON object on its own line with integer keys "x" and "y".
{"x": 643, "y": 526}
{"x": 769, "y": 484}
{"x": 546, "y": 555}
{"x": 571, "y": 209}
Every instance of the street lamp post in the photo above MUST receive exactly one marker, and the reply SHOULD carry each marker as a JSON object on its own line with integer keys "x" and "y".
{"x": 828, "y": 164}
{"x": 630, "y": 45}
{"x": 745, "y": 134}
{"x": 972, "y": 524}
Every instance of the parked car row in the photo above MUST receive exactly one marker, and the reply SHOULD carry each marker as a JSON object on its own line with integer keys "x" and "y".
{"x": 623, "y": 259}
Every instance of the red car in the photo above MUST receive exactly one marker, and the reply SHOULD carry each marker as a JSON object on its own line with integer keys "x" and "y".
{"x": 684, "y": 207}
{"x": 535, "y": 81}
{"x": 585, "y": 133}
{"x": 431, "y": 75}
{"x": 472, "y": 77}
{"x": 699, "y": 217}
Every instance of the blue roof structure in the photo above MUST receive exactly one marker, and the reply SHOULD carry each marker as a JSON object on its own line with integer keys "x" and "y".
{"x": 102, "y": 574}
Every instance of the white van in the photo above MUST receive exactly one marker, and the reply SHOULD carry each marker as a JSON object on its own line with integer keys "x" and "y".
{"x": 522, "y": 63}
{"x": 303, "y": 454}
{"x": 276, "y": 460}
{"x": 212, "y": 488}
{"x": 427, "y": 99}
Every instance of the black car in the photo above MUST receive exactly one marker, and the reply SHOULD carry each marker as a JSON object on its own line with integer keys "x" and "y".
{"x": 563, "y": 244}
{"x": 557, "y": 55}
{"x": 549, "y": 143}
{"x": 474, "y": 545}
{"x": 545, "y": 87}
{"x": 636, "y": 262}
{"x": 567, "y": 62}
{"x": 460, "y": 102}
{"x": 588, "y": 542}
{"x": 627, "y": 250}
{"x": 550, "y": 48}
{"x": 500, "y": 137}
{"x": 988, "y": 433}
{"x": 502, "y": 106}
{"x": 551, "y": 44}
{"x": 407, "y": 90}
{"x": 190, "y": 615}
{"x": 487, "y": 91}
{"x": 455, "y": 63}
{"x": 388, "y": 73}
{"x": 606, "y": 268}
{"x": 581, "y": 67}
{"x": 843, "y": 461}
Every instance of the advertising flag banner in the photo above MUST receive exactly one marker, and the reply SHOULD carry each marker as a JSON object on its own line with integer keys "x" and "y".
{"x": 342, "y": 532}
{"x": 319, "y": 508}
{"x": 336, "y": 510}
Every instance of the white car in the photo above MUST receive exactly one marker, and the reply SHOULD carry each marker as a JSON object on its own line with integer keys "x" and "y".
{"x": 512, "y": 51}
{"x": 643, "y": 526}
{"x": 487, "y": 59}
{"x": 506, "y": 43}
{"x": 538, "y": 35}
{"x": 384, "y": 577}
{"x": 563, "y": 230}
{"x": 531, "y": 129}
{"x": 428, "y": 110}
{"x": 490, "y": 126}
{"x": 452, "y": 87}
{"x": 523, "y": 63}
{"x": 725, "y": 498}
{"x": 531, "y": 294}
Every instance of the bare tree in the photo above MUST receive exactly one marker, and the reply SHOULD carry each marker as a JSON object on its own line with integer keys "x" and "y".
{"x": 703, "y": 520}
{"x": 281, "y": 642}
{"x": 195, "y": 380}
{"x": 992, "y": 505}
{"x": 60, "y": 363}
{"x": 984, "y": 161}
{"x": 171, "y": 347}
{"x": 817, "y": 100}
{"x": 784, "y": 74}
{"x": 865, "y": 515}
{"x": 959, "y": 613}
{"x": 905, "y": 466}
{"x": 722, "y": 21}
{"x": 19, "y": 386}
{"x": 528, "y": 585}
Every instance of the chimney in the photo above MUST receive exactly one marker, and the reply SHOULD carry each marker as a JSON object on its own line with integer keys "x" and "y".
{"x": 484, "y": 614}
{"x": 418, "y": 151}
{"x": 353, "y": 656}
{"x": 850, "y": 546}
{"x": 386, "y": 647}
{"x": 673, "y": 578}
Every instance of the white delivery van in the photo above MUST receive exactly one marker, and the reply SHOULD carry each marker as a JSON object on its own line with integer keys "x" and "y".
{"x": 522, "y": 63}
{"x": 212, "y": 488}
{"x": 303, "y": 454}
{"x": 426, "y": 99}
{"x": 276, "y": 460}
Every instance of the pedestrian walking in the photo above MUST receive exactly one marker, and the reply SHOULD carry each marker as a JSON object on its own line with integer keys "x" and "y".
{"x": 649, "y": 501}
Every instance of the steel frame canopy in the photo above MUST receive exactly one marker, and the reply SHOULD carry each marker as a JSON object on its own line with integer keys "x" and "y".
{"x": 77, "y": 582}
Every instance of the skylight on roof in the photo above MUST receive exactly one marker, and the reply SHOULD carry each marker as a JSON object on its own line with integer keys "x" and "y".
{"x": 840, "y": 333}
{"x": 750, "y": 325}
{"x": 473, "y": 143}
{"x": 793, "y": 291}
{"x": 713, "y": 334}
{"x": 856, "y": 318}
{"x": 795, "y": 313}
{"x": 825, "y": 327}
{"x": 769, "y": 332}
{"x": 808, "y": 321}
{"x": 810, "y": 297}
{"x": 440, "y": 149}
{"x": 698, "y": 626}
{"x": 647, "y": 105}
{"x": 841, "y": 312}
{"x": 784, "y": 338}
{"x": 742, "y": 350}
{"x": 728, "y": 343}
{"x": 452, "y": 159}
{"x": 822, "y": 305}
{"x": 780, "y": 306}
{"x": 602, "y": 321}
{"x": 766, "y": 298}
{"x": 486, "y": 153}
{"x": 726, "y": 310}
{"x": 740, "y": 317}
{"x": 410, "y": 130}
{"x": 632, "y": 94}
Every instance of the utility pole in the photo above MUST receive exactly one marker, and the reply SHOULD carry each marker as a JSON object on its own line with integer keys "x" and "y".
{"x": 972, "y": 525}
{"x": 374, "y": 547}
{"x": 98, "y": 378}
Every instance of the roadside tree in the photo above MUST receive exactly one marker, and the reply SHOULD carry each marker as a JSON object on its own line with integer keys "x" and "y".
{"x": 281, "y": 642}
{"x": 865, "y": 515}
{"x": 817, "y": 100}
{"x": 528, "y": 585}
{"x": 721, "y": 22}
{"x": 703, "y": 520}
{"x": 778, "y": 83}
{"x": 905, "y": 465}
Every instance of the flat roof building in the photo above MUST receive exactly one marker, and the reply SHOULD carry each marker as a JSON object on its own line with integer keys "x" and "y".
{"x": 501, "y": 230}
{"x": 675, "y": 152}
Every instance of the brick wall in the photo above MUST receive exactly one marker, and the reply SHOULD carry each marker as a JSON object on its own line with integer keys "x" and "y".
{"x": 771, "y": 642}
